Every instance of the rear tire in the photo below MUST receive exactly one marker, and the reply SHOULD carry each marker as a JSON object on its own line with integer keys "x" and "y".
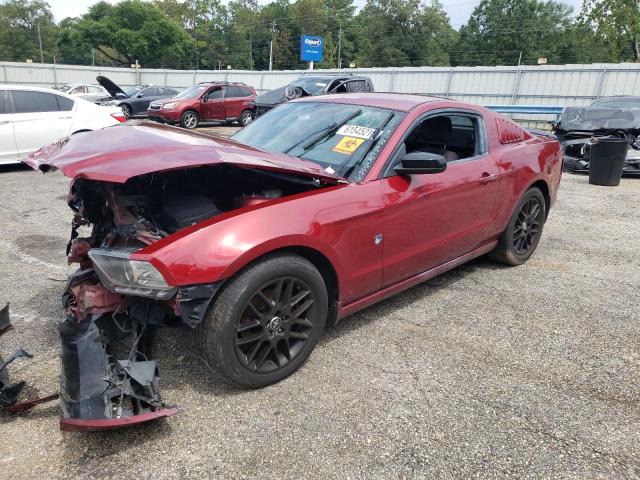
{"x": 246, "y": 117}
{"x": 126, "y": 111}
{"x": 266, "y": 321}
{"x": 520, "y": 239}
{"x": 189, "y": 119}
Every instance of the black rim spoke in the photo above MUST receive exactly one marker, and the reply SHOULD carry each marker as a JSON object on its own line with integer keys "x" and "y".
{"x": 275, "y": 325}
{"x": 527, "y": 226}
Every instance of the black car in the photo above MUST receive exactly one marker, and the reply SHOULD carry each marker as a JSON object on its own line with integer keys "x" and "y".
{"x": 605, "y": 117}
{"x": 312, "y": 85}
{"x": 134, "y": 101}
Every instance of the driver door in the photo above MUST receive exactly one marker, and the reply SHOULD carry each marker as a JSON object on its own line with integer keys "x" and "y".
{"x": 431, "y": 219}
{"x": 212, "y": 105}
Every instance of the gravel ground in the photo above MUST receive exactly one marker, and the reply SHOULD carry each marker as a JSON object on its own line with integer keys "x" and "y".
{"x": 486, "y": 371}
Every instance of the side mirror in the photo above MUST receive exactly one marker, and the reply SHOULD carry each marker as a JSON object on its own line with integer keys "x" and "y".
{"x": 140, "y": 95}
{"x": 417, "y": 163}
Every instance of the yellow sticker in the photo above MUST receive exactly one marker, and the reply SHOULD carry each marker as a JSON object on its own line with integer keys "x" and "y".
{"x": 348, "y": 145}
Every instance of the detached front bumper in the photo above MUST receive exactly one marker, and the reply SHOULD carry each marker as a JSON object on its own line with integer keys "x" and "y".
{"x": 581, "y": 165}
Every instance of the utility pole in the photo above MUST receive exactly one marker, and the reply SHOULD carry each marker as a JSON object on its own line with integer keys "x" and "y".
{"x": 93, "y": 57}
{"x": 340, "y": 48}
{"x": 250, "y": 52}
{"x": 273, "y": 30}
{"x": 40, "y": 42}
{"x": 520, "y": 58}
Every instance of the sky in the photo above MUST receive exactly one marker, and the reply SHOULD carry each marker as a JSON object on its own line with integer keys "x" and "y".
{"x": 458, "y": 10}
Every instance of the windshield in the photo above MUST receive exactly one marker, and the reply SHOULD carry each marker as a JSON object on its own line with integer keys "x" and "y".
{"x": 622, "y": 102}
{"x": 311, "y": 85}
{"x": 192, "y": 92}
{"x": 130, "y": 91}
{"x": 343, "y": 139}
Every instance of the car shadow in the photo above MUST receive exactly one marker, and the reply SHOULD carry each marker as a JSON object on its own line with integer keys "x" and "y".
{"x": 183, "y": 366}
{"x": 14, "y": 167}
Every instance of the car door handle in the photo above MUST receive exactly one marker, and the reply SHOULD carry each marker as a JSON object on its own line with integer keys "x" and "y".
{"x": 488, "y": 177}
{"x": 64, "y": 118}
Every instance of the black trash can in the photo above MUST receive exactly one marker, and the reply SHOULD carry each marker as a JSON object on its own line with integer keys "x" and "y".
{"x": 607, "y": 160}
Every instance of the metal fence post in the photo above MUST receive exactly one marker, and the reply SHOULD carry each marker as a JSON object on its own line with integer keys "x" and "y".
{"x": 516, "y": 87}
{"x": 165, "y": 78}
{"x": 262, "y": 82}
{"x": 392, "y": 81}
{"x": 447, "y": 91}
{"x": 600, "y": 86}
{"x": 195, "y": 72}
{"x": 4, "y": 72}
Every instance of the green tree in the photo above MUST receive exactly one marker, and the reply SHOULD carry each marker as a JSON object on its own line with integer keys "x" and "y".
{"x": 403, "y": 33}
{"x": 136, "y": 30}
{"x": 19, "y": 22}
{"x": 504, "y": 32}
{"x": 617, "y": 22}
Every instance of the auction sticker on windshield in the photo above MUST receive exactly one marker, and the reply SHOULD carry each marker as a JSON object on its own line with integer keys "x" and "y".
{"x": 348, "y": 145}
{"x": 356, "y": 131}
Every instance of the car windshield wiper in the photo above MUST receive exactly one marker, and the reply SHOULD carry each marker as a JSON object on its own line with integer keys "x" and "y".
{"x": 325, "y": 132}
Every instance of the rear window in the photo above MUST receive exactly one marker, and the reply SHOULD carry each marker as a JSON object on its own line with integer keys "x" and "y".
{"x": 28, "y": 102}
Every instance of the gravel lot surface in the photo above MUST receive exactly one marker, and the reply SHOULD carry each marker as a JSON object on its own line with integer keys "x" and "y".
{"x": 486, "y": 371}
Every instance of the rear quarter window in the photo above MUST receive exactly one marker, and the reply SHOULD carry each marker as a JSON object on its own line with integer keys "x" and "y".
{"x": 64, "y": 104}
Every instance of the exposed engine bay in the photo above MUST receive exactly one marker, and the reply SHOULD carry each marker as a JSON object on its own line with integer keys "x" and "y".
{"x": 581, "y": 127}
{"x": 114, "y": 305}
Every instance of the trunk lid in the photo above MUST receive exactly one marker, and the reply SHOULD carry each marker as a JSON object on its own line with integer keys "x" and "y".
{"x": 121, "y": 152}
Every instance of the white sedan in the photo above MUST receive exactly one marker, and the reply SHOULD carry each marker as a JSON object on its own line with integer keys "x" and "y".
{"x": 32, "y": 117}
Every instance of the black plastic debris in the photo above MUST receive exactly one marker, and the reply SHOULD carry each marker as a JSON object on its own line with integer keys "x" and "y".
{"x": 5, "y": 322}
{"x": 9, "y": 391}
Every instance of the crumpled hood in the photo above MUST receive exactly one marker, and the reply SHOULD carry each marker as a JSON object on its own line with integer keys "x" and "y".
{"x": 118, "y": 153}
{"x": 599, "y": 118}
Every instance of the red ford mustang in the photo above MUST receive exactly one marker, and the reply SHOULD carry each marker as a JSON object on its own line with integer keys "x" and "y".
{"x": 316, "y": 210}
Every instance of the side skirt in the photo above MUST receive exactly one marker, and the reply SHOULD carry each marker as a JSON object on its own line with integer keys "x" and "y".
{"x": 386, "y": 292}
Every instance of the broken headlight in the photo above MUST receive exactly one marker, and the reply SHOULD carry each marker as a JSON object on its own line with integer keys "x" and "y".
{"x": 129, "y": 277}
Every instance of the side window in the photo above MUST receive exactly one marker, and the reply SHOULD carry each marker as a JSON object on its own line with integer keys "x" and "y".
{"x": 3, "y": 102}
{"x": 148, "y": 92}
{"x": 64, "y": 104}
{"x": 233, "y": 92}
{"x": 246, "y": 92}
{"x": 27, "y": 101}
{"x": 453, "y": 136}
{"x": 78, "y": 89}
{"x": 214, "y": 93}
{"x": 357, "y": 86}
{"x": 94, "y": 89}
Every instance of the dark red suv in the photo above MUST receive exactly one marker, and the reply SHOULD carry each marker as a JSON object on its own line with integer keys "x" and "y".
{"x": 205, "y": 102}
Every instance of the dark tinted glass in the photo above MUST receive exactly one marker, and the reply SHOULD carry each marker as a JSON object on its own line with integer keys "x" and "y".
{"x": 214, "y": 94}
{"x": 64, "y": 104}
{"x": 246, "y": 92}
{"x": 234, "y": 92}
{"x": 3, "y": 102}
{"x": 26, "y": 101}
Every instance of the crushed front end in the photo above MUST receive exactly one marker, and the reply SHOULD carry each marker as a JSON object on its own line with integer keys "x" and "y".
{"x": 580, "y": 127}
{"x": 112, "y": 306}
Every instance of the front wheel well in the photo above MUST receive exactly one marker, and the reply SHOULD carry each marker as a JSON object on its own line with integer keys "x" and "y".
{"x": 324, "y": 266}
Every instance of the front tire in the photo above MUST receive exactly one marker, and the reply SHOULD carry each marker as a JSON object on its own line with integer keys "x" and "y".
{"x": 266, "y": 321}
{"x": 520, "y": 239}
{"x": 126, "y": 111}
{"x": 189, "y": 119}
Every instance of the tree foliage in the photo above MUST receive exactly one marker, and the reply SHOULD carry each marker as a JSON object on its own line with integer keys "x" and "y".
{"x": 211, "y": 34}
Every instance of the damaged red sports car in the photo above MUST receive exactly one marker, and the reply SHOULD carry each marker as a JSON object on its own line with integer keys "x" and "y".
{"x": 318, "y": 209}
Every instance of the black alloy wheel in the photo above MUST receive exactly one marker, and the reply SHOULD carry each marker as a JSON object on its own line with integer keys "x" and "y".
{"x": 527, "y": 226}
{"x": 275, "y": 325}
{"x": 524, "y": 230}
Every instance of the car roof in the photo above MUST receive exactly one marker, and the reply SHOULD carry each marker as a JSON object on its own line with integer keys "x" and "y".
{"x": 393, "y": 101}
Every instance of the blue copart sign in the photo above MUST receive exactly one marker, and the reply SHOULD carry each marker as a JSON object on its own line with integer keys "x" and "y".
{"x": 311, "y": 48}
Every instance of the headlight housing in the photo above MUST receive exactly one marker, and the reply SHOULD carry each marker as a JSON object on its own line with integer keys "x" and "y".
{"x": 129, "y": 277}
{"x": 169, "y": 106}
